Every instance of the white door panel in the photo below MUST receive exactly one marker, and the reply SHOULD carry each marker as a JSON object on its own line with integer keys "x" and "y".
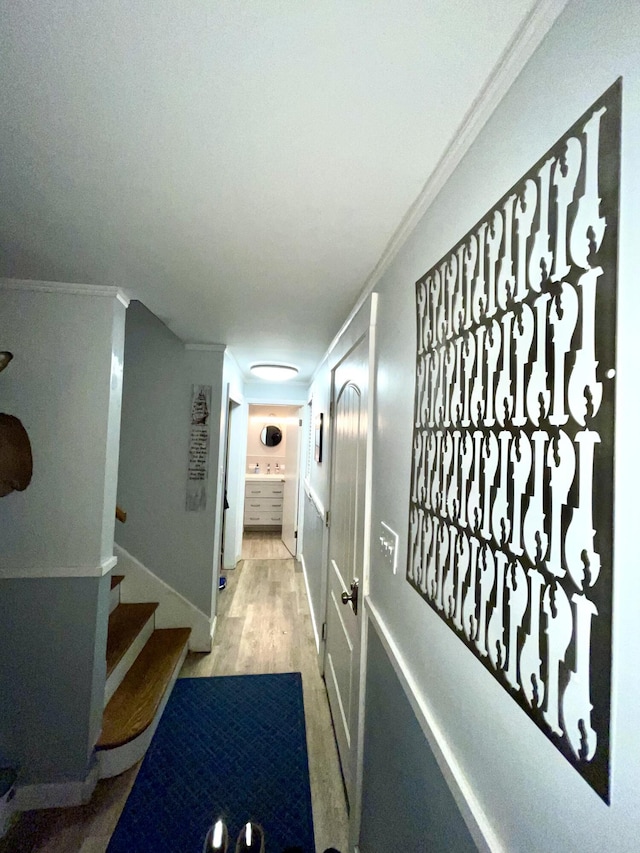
{"x": 339, "y": 663}
{"x": 346, "y": 550}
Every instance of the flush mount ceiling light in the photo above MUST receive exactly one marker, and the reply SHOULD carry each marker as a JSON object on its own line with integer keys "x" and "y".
{"x": 274, "y": 372}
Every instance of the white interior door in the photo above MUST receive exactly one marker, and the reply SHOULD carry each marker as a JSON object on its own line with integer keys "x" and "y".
{"x": 290, "y": 494}
{"x": 346, "y": 552}
{"x": 235, "y": 479}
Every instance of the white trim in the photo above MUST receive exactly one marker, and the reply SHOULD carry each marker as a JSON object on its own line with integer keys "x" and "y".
{"x": 174, "y": 610}
{"x": 70, "y": 288}
{"x": 311, "y": 611}
{"x": 206, "y": 347}
{"x": 54, "y": 795}
{"x": 472, "y": 813}
{"x": 315, "y": 500}
{"x": 123, "y": 666}
{"x": 511, "y": 62}
{"x": 109, "y": 564}
{"x": 229, "y": 352}
{"x": 112, "y": 762}
{"x": 356, "y": 811}
{"x": 7, "y": 572}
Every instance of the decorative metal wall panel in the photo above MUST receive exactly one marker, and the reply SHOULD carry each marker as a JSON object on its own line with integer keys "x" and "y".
{"x": 511, "y": 516}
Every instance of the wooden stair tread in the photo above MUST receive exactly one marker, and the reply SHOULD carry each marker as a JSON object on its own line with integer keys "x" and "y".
{"x": 115, "y": 580}
{"x": 134, "y": 704}
{"x": 125, "y": 623}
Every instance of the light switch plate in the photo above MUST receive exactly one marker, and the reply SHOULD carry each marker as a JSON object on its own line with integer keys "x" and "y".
{"x": 388, "y": 546}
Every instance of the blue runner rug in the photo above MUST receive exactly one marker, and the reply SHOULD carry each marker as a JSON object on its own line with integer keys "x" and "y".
{"x": 231, "y": 746}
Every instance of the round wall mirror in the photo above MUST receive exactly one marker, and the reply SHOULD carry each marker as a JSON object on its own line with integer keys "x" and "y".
{"x": 271, "y": 435}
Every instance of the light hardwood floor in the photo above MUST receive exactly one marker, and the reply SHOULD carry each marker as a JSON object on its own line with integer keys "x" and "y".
{"x": 263, "y": 626}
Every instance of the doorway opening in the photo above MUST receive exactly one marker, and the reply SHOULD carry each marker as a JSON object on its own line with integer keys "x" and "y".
{"x": 272, "y": 481}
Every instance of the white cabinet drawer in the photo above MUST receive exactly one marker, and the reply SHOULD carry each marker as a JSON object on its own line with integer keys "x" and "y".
{"x": 263, "y": 504}
{"x": 263, "y": 490}
{"x": 259, "y": 518}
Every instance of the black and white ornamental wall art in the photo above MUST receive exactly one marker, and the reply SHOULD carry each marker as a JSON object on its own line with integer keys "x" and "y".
{"x": 511, "y": 514}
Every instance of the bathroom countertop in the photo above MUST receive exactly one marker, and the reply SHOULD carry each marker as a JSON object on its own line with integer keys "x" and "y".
{"x": 267, "y": 477}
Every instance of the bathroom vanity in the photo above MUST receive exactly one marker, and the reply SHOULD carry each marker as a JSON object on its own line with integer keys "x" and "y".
{"x": 263, "y": 500}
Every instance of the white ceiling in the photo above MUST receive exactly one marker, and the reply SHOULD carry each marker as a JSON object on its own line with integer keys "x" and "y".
{"x": 239, "y": 166}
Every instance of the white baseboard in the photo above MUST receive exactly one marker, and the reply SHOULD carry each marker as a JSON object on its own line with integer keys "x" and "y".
{"x": 55, "y": 795}
{"x": 174, "y": 610}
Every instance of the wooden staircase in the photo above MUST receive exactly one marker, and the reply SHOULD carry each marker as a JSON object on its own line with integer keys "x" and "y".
{"x": 143, "y": 663}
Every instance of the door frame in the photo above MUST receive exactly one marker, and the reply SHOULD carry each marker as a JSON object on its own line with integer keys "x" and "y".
{"x": 296, "y": 488}
{"x": 362, "y": 325}
{"x": 288, "y": 403}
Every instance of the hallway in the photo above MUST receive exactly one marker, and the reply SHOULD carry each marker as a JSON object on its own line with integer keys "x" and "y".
{"x": 263, "y": 626}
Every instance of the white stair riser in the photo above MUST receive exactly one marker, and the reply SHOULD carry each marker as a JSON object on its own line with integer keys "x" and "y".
{"x": 112, "y": 762}
{"x": 115, "y": 598}
{"x": 123, "y": 667}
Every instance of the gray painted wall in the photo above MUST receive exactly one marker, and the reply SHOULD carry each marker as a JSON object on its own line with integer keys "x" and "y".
{"x": 312, "y": 553}
{"x": 52, "y": 674}
{"x": 532, "y": 798}
{"x": 407, "y": 803}
{"x": 317, "y": 477}
{"x": 176, "y": 545}
{"x": 65, "y": 385}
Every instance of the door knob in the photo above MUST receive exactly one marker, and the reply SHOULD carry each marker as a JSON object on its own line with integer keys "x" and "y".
{"x": 353, "y": 598}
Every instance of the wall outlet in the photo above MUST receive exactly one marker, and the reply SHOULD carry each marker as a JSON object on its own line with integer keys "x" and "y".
{"x": 388, "y": 546}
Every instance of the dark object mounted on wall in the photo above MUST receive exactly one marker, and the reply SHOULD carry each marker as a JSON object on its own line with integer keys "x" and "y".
{"x": 319, "y": 429}
{"x": 271, "y": 435}
{"x": 16, "y": 462}
{"x": 511, "y": 506}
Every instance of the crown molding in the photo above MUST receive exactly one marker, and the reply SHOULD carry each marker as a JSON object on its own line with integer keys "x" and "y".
{"x": 230, "y": 355}
{"x": 511, "y": 62}
{"x": 68, "y": 288}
